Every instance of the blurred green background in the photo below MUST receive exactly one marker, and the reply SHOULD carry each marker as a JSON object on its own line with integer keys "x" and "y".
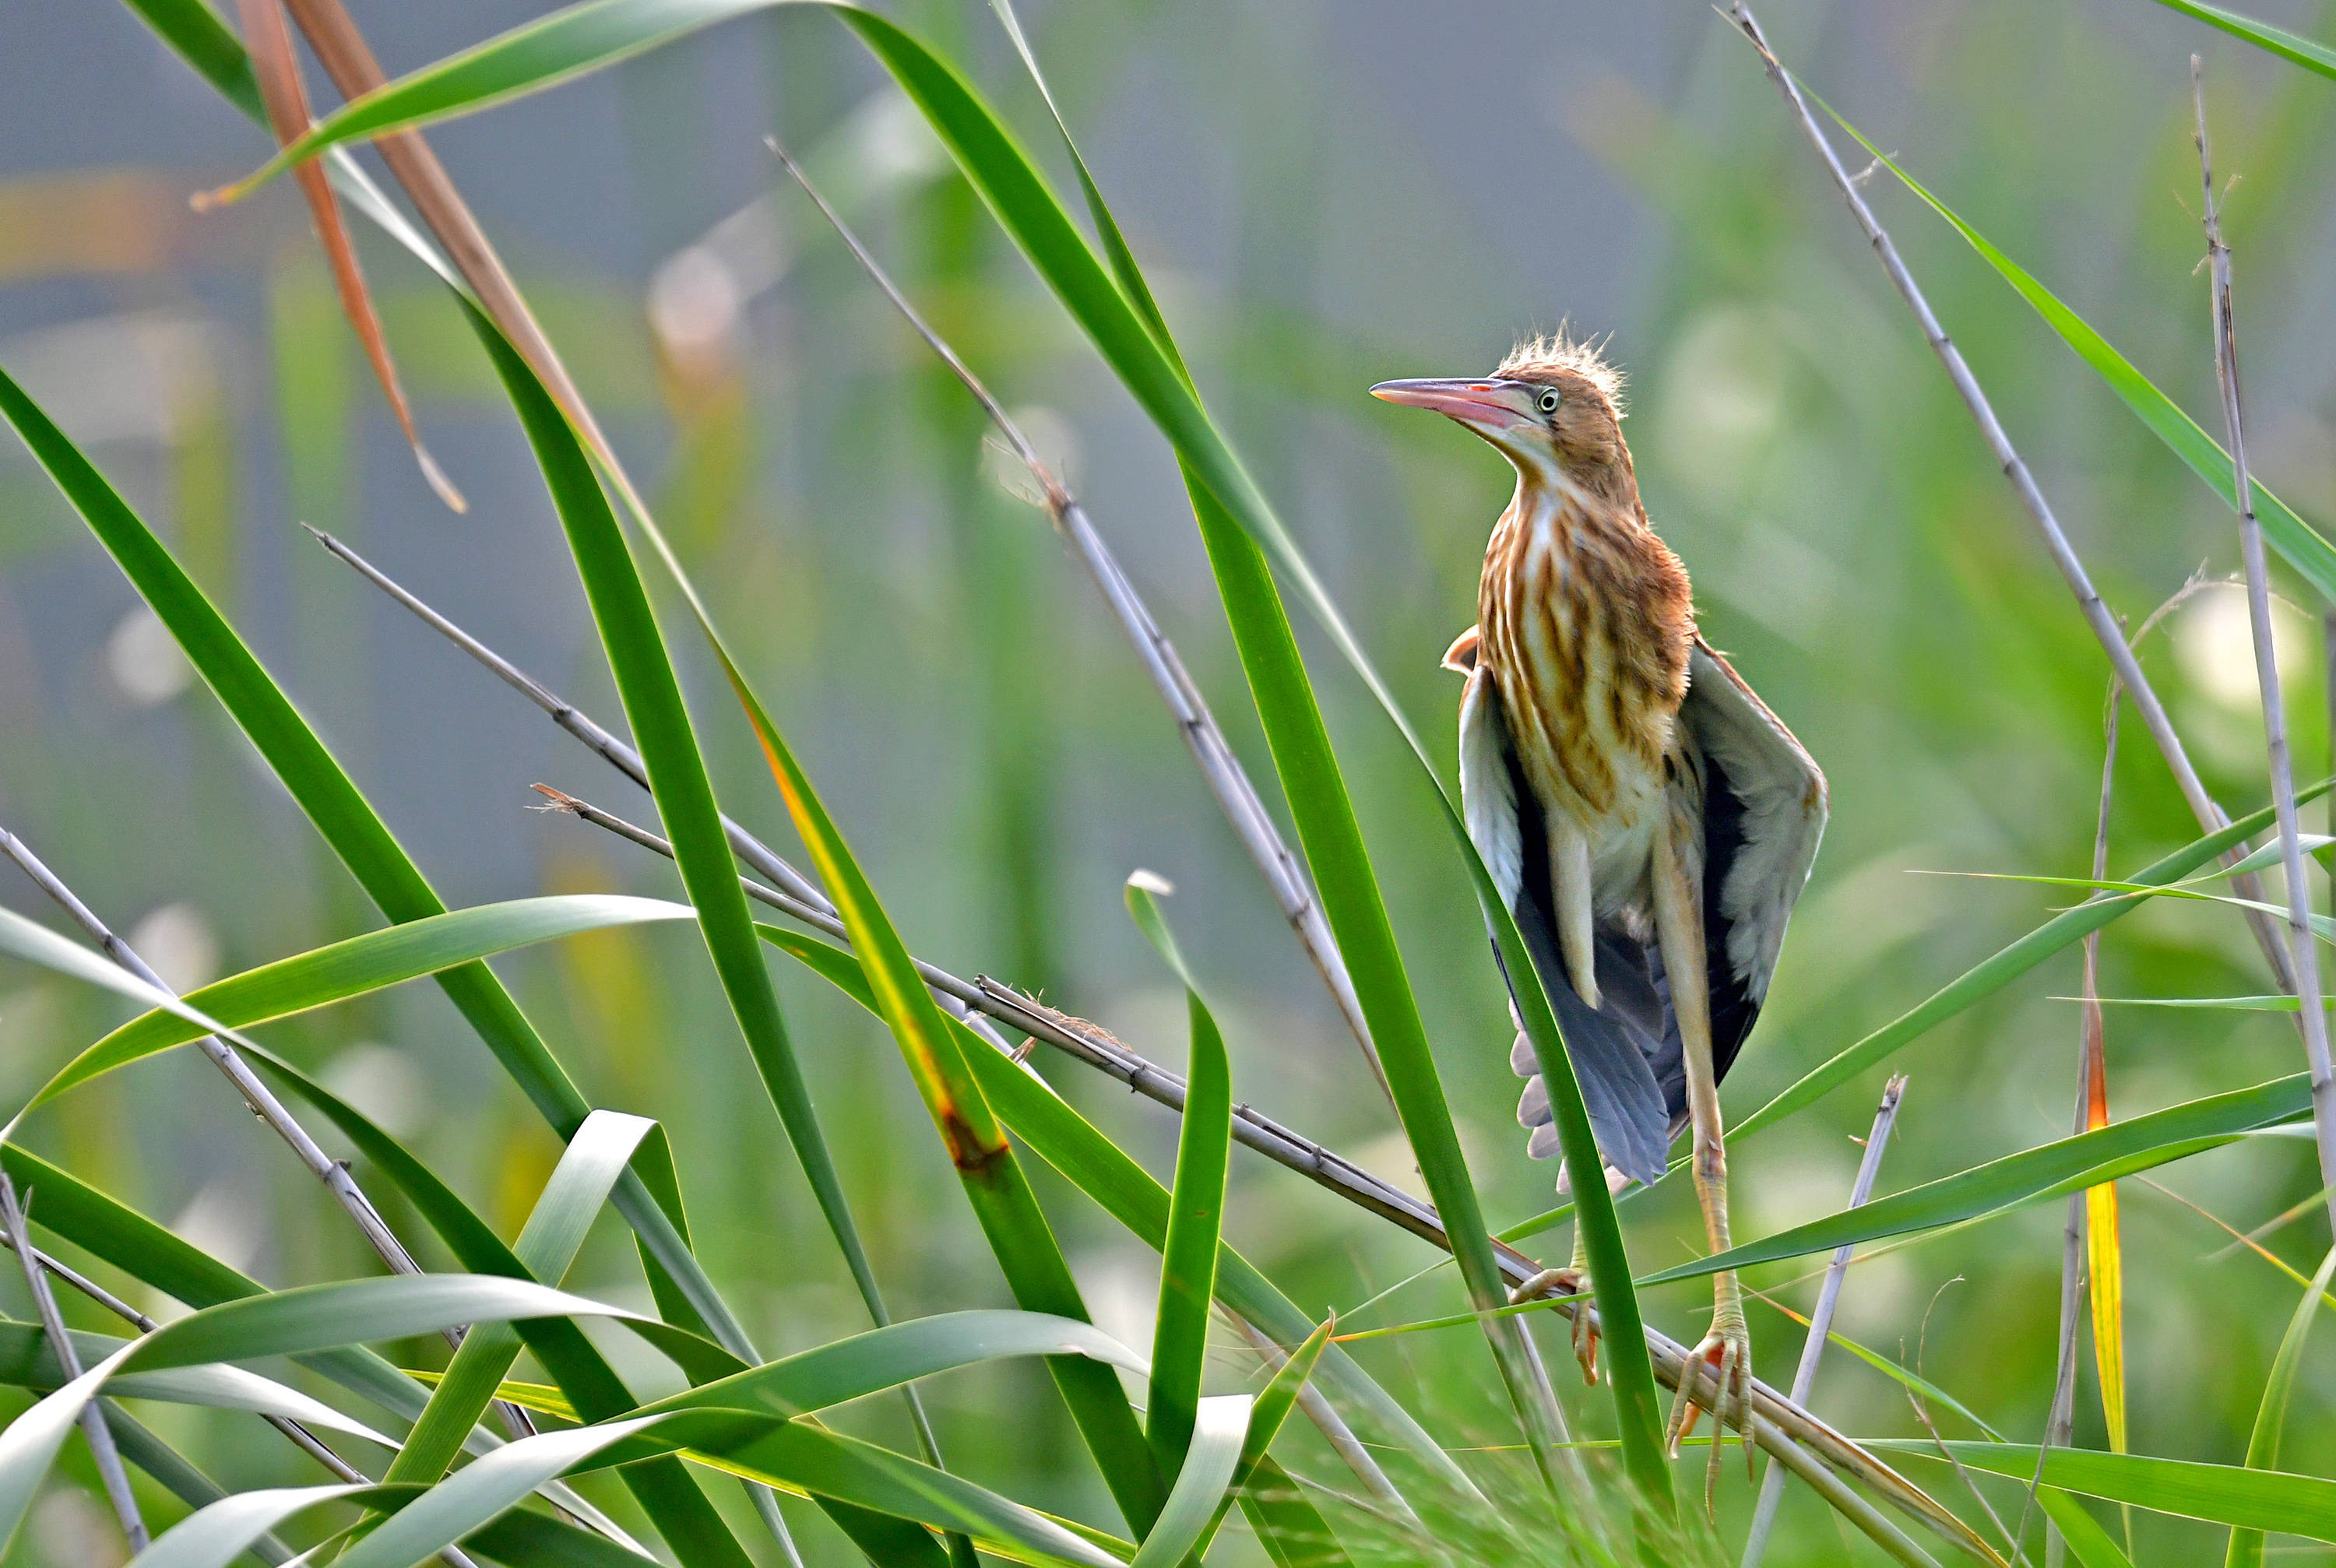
{"x": 1328, "y": 194}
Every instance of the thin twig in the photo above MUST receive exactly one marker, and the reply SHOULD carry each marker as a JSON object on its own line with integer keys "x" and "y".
{"x": 92, "y": 1419}
{"x": 257, "y": 1097}
{"x": 1780, "y": 1424}
{"x": 261, "y": 1101}
{"x": 1221, "y": 770}
{"x": 1804, "y": 1377}
{"x": 759, "y": 856}
{"x": 2210, "y": 815}
{"x": 2303, "y": 949}
{"x": 306, "y": 1440}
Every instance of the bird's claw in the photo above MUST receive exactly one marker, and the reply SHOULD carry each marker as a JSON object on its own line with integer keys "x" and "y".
{"x": 1724, "y": 1359}
{"x": 1568, "y": 1283}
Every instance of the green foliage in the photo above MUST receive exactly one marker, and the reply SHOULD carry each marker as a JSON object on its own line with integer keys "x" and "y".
{"x": 1458, "y": 1458}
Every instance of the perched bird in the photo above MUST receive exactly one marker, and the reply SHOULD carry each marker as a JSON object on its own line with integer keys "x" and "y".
{"x": 1645, "y": 817}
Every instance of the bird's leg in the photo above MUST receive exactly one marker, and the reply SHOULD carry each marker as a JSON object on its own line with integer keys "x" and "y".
{"x": 1727, "y": 1347}
{"x": 1569, "y": 875}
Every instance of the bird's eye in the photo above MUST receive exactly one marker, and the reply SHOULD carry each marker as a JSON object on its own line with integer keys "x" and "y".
{"x": 1550, "y": 400}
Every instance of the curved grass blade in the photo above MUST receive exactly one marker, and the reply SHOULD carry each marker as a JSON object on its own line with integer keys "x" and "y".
{"x": 1124, "y": 1189}
{"x": 1009, "y": 1209}
{"x": 355, "y": 967}
{"x": 215, "y": 1535}
{"x": 673, "y": 1498}
{"x": 28, "y": 1361}
{"x": 287, "y": 1322}
{"x": 588, "y": 1169}
{"x": 1237, "y": 527}
{"x": 2276, "y": 1502}
{"x": 1985, "y": 979}
{"x": 2304, "y": 548}
{"x": 1188, "y": 1263}
{"x": 651, "y": 694}
{"x": 1265, "y": 1419}
{"x": 2052, "y": 1170}
{"x": 2287, "y": 45}
{"x": 1219, "y": 1429}
{"x": 882, "y": 1358}
{"x": 2246, "y": 1547}
{"x": 650, "y": 1200}
{"x": 572, "y": 41}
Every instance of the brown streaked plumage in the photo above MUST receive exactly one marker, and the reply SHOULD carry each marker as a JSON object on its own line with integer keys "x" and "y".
{"x": 1647, "y": 818}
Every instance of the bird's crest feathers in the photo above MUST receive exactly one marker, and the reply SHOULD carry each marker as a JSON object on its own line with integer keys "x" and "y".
{"x": 1538, "y": 358}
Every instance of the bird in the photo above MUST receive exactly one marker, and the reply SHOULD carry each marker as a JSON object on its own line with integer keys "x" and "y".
{"x": 1646, "y": 819}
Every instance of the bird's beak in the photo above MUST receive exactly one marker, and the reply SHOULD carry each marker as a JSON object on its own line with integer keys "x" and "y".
{"x": 1485, "y": 405}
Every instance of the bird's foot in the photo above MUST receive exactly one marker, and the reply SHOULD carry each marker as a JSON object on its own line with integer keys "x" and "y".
{"x": 1716, "y": 1377}
{"x": 1569, "y": 1282}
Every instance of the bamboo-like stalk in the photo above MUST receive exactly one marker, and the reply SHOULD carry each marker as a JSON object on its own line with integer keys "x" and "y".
{"x": 596, "y": 737}
{"x": 1220, "y": 769}
{"x": 93, "y": 1415}
{"x": 1781, "y": 1425}
{"x": 257, "y": 1097}
{"x": 2097, "y": 614}
{"x": 2303, "y": 949}
{"x": 306, "y": 1441}
{"x": 1804, "y": 1376}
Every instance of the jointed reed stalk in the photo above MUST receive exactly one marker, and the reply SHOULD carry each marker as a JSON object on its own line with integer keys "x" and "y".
{"x": 92, "y": 1416}
{"x": 2096, "y": 613}
{"x": 2302, "y": 947}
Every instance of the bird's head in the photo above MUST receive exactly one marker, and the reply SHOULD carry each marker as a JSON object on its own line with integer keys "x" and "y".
{"x": 1553, "y": 404}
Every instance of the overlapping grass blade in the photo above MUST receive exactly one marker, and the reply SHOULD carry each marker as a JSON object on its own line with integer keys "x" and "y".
{"x": 1212, "y": 1453}
{"x": 2287, "y": 45}
{"x": 1238, "y": 526}
{"x": 285, "y": 1322}
{"x": 1188, "y": 1263}
{"x": 587, "y": 1168}
{"x": 1009, "y": 1209}
{"x": 354, "y": 968}
{"x": 2274, "y": 1501}
{"x": 1986, "y": 977}
{"x": 651, "y": 694}
{"x": 2032, "y": 1175}
{"x": 588, "y": 1383}
{"x": 2246, "y": 1547}
{"x": 575, "y": 40}
{"x": 1124, "y": 1189}
{"x": 347, "y": 822}
{"x": 2305, "y": 549}
{"x": 1277, "y": 1511}
{"x": 27, "y": 1360}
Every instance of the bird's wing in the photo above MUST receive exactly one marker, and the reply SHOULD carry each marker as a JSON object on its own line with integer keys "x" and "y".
{"x": 1764, "y": 813}
{"x": 1609, "y": 1049}
{"x": 1488, "y": 801}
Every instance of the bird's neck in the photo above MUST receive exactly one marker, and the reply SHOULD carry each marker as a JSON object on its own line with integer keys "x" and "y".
{"x": 1563, "y": 500}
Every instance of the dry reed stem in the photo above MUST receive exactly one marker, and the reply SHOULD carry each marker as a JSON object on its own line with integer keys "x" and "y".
{"x": 277, "y": 68}
{"x": 257, "y": 1097}
{"x": 2210, "y": 815}
{"x": 2302, "y": 947}
{"x": 1780, "y": 1422}
{"x": 92, "y": 1414}
{"x": 1804, "y": 1376}
{"x": 1220, "y": 769}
